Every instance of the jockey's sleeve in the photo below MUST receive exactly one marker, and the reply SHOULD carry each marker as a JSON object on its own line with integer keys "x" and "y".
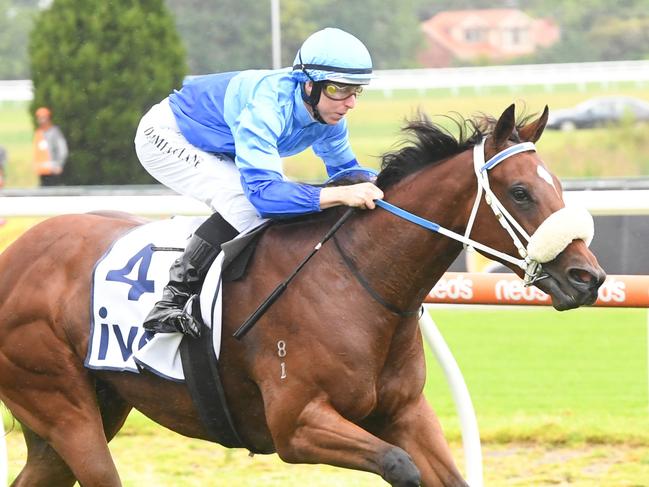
{"x": 256, "y": 133}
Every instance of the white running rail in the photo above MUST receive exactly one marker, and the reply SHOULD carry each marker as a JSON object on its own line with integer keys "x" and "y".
{"x": 547, "y": 75}
{"x": 461, "y": 397}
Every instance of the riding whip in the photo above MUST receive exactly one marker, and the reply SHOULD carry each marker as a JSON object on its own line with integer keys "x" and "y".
{"x": 254, "y": 317}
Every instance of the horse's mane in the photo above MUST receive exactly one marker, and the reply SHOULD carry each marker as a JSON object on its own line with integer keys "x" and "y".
{"x": 426, "y": 143}
{"x": 429, "y": 143}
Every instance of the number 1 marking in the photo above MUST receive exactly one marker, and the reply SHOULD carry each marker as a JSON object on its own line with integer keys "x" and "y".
{"x": 283, "y": 365}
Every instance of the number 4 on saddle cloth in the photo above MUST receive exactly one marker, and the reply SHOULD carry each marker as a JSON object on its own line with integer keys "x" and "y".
{"x": 127, "y": 281}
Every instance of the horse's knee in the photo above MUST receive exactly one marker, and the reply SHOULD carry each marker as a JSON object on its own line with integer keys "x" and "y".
{"x": 399, "y": 470}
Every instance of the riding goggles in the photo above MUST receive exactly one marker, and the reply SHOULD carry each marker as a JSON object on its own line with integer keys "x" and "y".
{"x": 337, "y": 91}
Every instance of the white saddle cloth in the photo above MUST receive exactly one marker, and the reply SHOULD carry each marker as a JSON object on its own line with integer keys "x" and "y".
{"x": 127, "y": 281}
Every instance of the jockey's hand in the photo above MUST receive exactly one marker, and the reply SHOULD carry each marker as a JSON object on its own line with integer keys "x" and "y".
{"x": 361, "y": 195}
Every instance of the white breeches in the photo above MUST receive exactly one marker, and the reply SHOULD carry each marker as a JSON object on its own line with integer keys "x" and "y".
{"x": 211, "y": 178}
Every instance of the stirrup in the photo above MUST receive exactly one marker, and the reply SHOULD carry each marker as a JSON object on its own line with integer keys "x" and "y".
{"x": 185, "y": 322}
{"x": 174, "y": 320}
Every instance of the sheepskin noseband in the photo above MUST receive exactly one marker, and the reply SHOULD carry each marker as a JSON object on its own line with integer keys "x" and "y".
{"x": 558, "y": 230}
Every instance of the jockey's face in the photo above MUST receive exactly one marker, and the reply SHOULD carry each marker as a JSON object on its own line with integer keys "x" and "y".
{"x": 332, "y": 110}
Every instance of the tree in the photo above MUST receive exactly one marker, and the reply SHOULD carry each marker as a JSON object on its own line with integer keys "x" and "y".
{"x": 236, "y": 34}
{"x": 228, "y": 35}
{"x": 15, "y": 23}
{"x": 594, "y": 30}
{"x": 99, "y": 66}
{"x": 622, "y": 38}
{"x": 392, "y": 34}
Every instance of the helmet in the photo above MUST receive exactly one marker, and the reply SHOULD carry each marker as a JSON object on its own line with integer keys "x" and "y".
{"x": 333, "y": 55}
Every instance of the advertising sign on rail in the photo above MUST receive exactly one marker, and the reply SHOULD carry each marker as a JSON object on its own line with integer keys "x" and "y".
{"x": 497, "y": 288}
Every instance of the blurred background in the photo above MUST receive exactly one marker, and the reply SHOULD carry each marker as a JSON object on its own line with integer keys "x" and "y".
{"x": 98, "y": 65}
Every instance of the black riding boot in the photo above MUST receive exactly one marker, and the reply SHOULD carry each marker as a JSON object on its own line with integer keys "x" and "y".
{"x": 186, "y": 275}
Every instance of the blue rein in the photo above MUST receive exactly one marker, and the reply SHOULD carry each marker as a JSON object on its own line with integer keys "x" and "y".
{"x": 406, "y": 215}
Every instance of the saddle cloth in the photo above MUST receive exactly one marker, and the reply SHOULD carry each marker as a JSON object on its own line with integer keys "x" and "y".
{"x": 127, "y": 281}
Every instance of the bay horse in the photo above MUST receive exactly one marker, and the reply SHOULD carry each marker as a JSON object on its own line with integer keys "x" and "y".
{"x": 351, "y": 392}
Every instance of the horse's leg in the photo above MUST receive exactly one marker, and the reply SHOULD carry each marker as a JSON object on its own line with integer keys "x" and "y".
{"x": 318, "y": 434}
{"x": 45, "y": 467}
{"x": 114, "y": 410}
{"x": 416, "y": 429}
{"x": 61, "y": 407}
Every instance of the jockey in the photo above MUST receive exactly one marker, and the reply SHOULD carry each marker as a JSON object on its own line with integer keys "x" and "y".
{"x": 221, "y": 137}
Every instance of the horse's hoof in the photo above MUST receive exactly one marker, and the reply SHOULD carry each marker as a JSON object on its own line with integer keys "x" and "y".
{"x": 399, "y": 469}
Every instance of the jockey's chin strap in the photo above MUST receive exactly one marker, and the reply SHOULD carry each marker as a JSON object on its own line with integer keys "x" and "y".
{"x": 532, "y": 268}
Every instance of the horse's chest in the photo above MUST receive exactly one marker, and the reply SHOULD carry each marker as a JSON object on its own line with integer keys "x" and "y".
{"x": 354, "y": 392}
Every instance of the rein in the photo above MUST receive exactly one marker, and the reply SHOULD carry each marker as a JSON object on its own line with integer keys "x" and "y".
{"x": 532, "y": 268}
{"x": 279, "y": 290}
{"x": 563, "y": 226}
{"x": 370, "y": 290}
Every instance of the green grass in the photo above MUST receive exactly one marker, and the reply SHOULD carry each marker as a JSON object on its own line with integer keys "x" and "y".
{"x": 540, "y": 375}
{"x": 16, "y": 137}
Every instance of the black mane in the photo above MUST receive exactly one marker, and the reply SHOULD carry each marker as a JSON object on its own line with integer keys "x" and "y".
{"x": 430, "y": 143}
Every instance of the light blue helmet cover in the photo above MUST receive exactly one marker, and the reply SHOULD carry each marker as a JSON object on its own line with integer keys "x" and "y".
{"x": 335, "y": 55}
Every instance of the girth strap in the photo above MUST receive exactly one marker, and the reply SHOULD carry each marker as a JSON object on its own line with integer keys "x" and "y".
{"x": 205, "y": 387}
{"x": 366, "y": 285}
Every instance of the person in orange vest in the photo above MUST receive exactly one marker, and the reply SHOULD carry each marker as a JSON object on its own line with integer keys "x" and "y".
{"x": 50, "y": 149}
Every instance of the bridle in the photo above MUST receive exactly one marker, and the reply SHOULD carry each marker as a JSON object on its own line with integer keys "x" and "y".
{"x": 529, "y": 262}
{"x": 532, "y": 268}
{"x": 579, "y": 224}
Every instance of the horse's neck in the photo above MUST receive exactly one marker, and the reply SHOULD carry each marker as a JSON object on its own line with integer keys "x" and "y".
{"x": 400, "y": 259}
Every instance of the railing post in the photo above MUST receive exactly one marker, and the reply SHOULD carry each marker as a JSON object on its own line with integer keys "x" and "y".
{"x": 460, "y": 393}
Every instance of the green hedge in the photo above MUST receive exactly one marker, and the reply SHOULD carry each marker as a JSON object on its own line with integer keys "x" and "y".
{"x": 99, "y": 66}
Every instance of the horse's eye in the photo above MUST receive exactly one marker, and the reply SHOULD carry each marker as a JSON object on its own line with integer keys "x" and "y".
{"x": 520, "y": 194}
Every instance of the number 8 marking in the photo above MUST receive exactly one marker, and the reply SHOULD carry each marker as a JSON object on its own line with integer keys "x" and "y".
{"x": 281, "y": 348}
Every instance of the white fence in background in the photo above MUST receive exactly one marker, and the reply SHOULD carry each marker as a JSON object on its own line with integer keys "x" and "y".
{"x": 548, "y": 75}
{"x": 512, "y": 76}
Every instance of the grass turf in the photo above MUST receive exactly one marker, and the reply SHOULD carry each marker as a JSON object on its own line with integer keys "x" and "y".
{"x": 540, "y": 375}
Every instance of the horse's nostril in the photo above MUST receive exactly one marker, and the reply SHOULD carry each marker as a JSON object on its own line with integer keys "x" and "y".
{"x": 584, "y": 278}
{"x": 581, "y": 275}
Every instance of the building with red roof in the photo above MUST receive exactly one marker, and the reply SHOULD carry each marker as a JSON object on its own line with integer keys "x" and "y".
{"x": 490, "y": 35}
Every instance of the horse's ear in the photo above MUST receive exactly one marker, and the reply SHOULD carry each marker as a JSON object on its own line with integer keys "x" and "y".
{"x": 532, "y": 131}
{"x": 504, "y": 126}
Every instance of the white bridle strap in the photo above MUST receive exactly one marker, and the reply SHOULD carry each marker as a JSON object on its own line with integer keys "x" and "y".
{"x": 481, "y": 171}
{"x": 549, "y": 239}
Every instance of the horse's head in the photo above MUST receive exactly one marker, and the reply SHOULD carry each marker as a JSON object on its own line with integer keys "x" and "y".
{"x": 530, "y": 197}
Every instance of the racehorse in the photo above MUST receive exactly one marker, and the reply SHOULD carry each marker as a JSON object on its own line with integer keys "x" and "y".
{"x": 350, "y": 391}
